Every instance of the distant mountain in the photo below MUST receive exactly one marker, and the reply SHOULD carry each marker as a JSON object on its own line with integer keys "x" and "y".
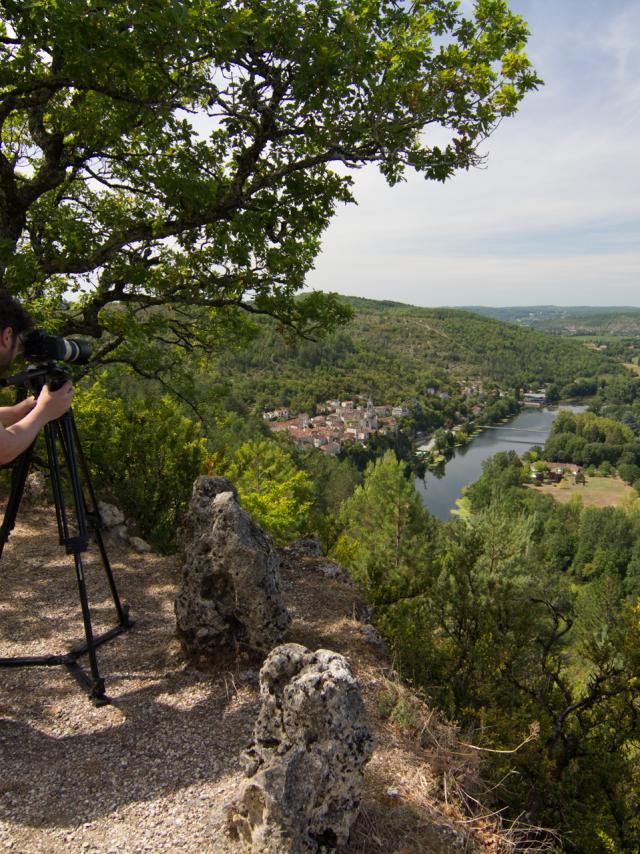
{"x": 569, "y": 320}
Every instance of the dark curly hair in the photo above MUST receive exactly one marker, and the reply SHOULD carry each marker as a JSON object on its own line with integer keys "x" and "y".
{"x": 13, "y": 315}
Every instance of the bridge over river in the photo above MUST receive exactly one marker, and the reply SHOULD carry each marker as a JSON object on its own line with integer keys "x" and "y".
{"x": 531, "y": 427}
{"x": 516, "y": 429}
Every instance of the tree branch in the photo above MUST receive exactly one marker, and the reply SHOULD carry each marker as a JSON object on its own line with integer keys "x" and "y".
{"x": 156, "y": 377}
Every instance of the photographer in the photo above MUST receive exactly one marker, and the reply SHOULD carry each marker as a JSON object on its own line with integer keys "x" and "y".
{"x": 20, "y": 424}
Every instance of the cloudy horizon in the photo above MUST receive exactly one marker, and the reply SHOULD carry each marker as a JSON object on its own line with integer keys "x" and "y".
{"x": 554, "y": 217}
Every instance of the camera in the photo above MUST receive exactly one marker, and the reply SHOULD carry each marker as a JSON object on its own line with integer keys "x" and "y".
{"x": 48, "y": 351}
{"x": 39, "y": 345}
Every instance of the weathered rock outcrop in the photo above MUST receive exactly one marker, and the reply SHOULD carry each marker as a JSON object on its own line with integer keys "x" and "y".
{"x": 306, "y": 764}
{"x": 35, "y": 485}
{"x": 306, "y": 554}
{"x": 230, "y": 589}
{"x": 110, "y": 515}
{"x": 308, "y": 546}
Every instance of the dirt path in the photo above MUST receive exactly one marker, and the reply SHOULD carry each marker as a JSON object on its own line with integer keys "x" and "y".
{"x": 130, "y": 776}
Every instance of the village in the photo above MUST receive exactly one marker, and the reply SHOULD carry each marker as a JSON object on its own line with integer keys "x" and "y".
{"x": 336, "y": 424}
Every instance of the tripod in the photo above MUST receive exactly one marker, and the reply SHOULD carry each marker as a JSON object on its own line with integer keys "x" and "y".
{"x": 61, "y": 435}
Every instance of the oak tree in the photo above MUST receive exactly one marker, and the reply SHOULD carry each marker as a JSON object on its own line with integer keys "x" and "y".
{"x": 160, "y": 156}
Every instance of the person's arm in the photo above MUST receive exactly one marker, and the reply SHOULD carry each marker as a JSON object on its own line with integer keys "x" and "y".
{"x": 11, "y": 414}
{"x": 49, "y": 405}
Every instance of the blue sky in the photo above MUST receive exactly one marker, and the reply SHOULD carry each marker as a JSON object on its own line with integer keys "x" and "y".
{"x": 554, "y": 218}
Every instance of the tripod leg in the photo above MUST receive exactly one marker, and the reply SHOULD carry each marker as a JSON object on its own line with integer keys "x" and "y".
{"x": 121, "y": 610}
{"x": 56, "y": 483}
{"x": 74, "y": 545}
{"x": 70, "y": 441}
{"x": 94, "y": 513}
{"x": 63, "y": 433}
{"x": 18, "y": 479}
{"x": 97, "y": 685}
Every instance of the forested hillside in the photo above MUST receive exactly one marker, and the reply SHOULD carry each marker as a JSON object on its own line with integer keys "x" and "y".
{"x": 167, "y": 176}
{"x": 519, "y": 619}
{"x": 394, "y": 351}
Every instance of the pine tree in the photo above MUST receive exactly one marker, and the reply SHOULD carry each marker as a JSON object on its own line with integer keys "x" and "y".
{"x": 271, "y": 488}
{"x": 388, "y": 534}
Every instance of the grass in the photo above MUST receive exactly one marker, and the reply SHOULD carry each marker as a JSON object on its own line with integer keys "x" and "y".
{"x": 596, "y": 492}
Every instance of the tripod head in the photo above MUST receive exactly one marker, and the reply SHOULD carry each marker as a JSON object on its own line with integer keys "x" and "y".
{"x": 36, "y": 376}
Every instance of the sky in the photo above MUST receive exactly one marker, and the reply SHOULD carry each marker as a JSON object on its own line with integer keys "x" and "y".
{"x": 553, "y": 219}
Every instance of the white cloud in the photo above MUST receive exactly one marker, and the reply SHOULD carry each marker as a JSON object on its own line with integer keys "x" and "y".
{"x": 561, "y": 191}
{"x": 490, "y": 279}
{"x": 619, "y": 40}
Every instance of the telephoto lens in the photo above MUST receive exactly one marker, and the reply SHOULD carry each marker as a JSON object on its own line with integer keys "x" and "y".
{"x": 38, "y": 344}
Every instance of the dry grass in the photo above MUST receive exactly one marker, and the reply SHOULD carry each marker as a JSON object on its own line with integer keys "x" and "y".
{"x": 596, "y": 492}
{"x": 424, "y": 787}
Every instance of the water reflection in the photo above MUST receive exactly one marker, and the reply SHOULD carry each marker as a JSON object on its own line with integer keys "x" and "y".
{"x": 441, "y": 489}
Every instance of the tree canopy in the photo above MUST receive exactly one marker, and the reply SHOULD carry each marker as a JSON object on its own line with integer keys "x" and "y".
{"x": 165, "y": 155}
{"x": 520, "y": 620}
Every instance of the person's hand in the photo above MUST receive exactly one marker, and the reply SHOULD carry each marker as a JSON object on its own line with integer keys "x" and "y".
{"x": 53, "y": 404}
{"x": 23, "y": 408}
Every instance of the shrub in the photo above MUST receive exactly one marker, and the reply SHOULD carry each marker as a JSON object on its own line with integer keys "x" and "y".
{"x": 142, "y": 454}
{"x": 272, "y": 489}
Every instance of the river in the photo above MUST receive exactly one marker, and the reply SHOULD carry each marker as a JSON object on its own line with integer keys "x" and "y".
{"x": 531, "y": 427}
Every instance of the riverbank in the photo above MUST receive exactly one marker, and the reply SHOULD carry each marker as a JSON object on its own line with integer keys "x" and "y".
{"x": 433, "y": 458}
{"x": 441, "y": 489}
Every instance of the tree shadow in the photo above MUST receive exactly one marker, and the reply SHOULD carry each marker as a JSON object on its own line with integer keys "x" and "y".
{"x": 64, "y": 762}
{"x": 150, "y": 748}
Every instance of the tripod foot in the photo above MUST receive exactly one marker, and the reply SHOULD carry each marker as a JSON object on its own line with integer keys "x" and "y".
{"x": 125, "y": 621}
{"x": 94, "y": 687}
{"x": 99, "y": 700}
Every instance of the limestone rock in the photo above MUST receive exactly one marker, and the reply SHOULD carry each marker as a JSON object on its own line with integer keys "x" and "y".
{"x": 306, "y": 553}
{"x": 306, "y": 764}
{"x": 330, "y": 569}
{"x": 374, "y": 639}
{"x": 139, "y": 545}
{"x": 120, "y": 531}
{"x": 110, "y": 515}
{"x": 455, "y": 841}
{"x": 230, "y": 590}
{"x": 305, "y": 547}
{"x": 35, "y": 484}
{"x": 205, "y": 489}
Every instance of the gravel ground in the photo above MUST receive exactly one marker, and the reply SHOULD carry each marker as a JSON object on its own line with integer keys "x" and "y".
{"x": 154, "y": 770}
{"x": 158, "y": 768}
